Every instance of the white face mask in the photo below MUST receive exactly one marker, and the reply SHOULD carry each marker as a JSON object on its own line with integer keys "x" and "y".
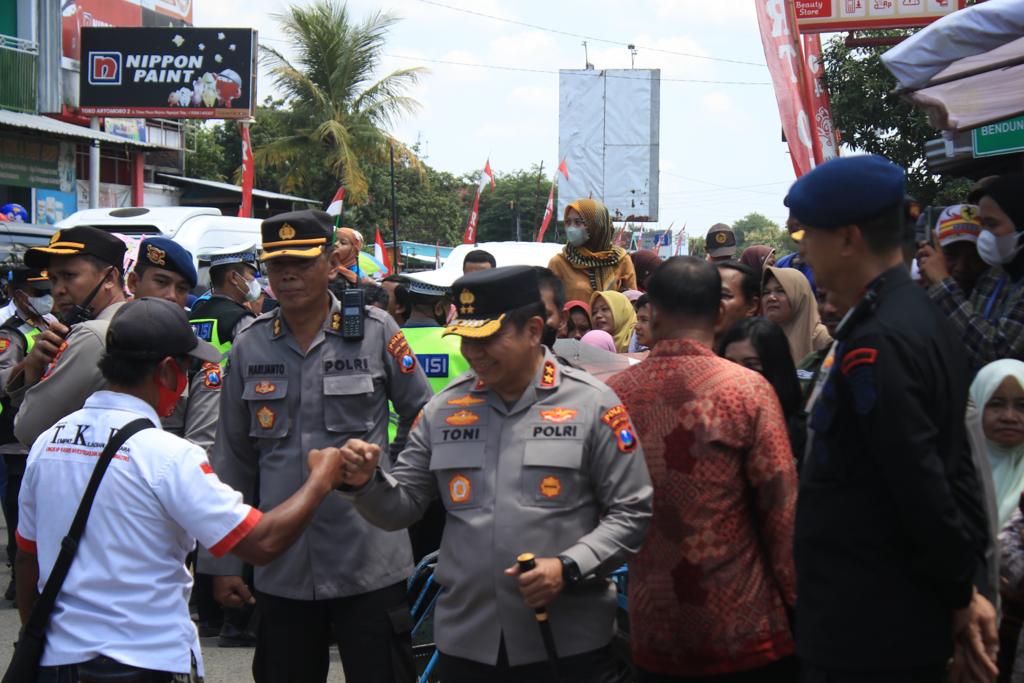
{"x": 252, "y": 290}
{"x": 41, "y": 304}
{"x": 577, "y": 236}
{"x": 998, "y": 251}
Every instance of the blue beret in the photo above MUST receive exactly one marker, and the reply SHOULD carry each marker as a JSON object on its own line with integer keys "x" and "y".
{"x": 846, "y": 191}
{"x": 161, "y": 252}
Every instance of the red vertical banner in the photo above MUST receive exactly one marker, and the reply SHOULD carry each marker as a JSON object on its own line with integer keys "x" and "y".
{"x": 783, "y": 53}
{"x": 248, "y": 171}
{"x": 823, "y": 137}
{"x": 469, "y": 237}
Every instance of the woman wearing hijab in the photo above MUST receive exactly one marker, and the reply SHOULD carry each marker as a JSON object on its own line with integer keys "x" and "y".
{"x": 345, "y": 256}
{"x": 612, "y": 312}
{"x": 599, "y": 339}
{"x": 995, "y": 424}
{"x": 576, "y": 319}
{"x": 588, "y": 262}
{"x": 787, "y": 300}
{"x": 988, "y": 320}
{"x": 644, "y": 263}
{"x": 757, "y": 258}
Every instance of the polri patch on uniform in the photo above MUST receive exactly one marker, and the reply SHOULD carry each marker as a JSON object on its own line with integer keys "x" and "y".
{"x": 617, "y": 419}
{"x": 399, "y": 349}
{"x": 459, "y": 489}
{"x": 264, "y": 387}
{"x": 858, "y": 367}
{"x": 547, "y": 379}
{"x": 212, "y": 376}
{"x": 550, "y": 487}
{"x": 465, "y": 401}
{"x": 266, "y": 417}
{"x": 558, "y": 415}
{"x": 4, "y": 345}
{"x": 462, "y": 418}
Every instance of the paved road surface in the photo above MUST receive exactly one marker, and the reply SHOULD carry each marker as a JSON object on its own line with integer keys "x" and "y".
{"x": 223, "y": 665}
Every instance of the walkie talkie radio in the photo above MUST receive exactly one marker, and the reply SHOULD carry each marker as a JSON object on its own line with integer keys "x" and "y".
{"x": 352, "y": 314}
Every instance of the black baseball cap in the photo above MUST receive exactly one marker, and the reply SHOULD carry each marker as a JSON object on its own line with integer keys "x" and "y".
{"x": 152, "y": 329}
{"x": 484, "y": 297}
{"x": 20, "y": 276}
{"x": 300, "y": 234}
{"x": 720, "y": 241}
{"x": 83, "y": 240}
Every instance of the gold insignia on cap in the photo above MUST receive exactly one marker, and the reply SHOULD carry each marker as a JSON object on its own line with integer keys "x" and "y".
{"x": 155, "y": 255}
{"x": 286, "y": 232}
{"x": 720, "y": 238}
{"x": 55, "y": 237}
{"x": 466, "y": 298}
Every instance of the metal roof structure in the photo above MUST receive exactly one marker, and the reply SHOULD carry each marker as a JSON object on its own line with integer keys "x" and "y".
{"x": 228, "y": 187}
{"x": 45, "y": 124}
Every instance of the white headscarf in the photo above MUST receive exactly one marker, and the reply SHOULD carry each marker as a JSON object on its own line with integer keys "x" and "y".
{"x": 1007, "y": 463}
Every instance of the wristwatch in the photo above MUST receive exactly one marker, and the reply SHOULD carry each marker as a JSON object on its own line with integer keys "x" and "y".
{"x": 570, "y": 571}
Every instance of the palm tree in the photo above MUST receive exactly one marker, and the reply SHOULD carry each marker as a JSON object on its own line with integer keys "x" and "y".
{"x": 341, "y": 114}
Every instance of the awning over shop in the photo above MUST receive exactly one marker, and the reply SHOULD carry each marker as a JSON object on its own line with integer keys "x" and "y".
{"x": 236, "y": 189}
{"x": 967, "y": 69}
{"x": 45, "y": 124}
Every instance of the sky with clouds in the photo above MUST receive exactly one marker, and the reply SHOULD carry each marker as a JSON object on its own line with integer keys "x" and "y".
{"x": 721, "y": 153}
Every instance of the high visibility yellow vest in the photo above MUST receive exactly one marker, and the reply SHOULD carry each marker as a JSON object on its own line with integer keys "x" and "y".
{"x": 441, "y": 360}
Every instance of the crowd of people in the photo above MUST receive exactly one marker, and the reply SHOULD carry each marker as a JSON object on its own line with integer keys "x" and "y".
{"x": 812, "y": 463}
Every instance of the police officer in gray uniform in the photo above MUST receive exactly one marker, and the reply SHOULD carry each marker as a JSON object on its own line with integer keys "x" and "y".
{"x": 527, "y": 456}
{"x": 297, "y": 377}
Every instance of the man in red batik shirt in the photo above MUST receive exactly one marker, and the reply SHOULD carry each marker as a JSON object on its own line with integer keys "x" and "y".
{"x": 710, "y": 589}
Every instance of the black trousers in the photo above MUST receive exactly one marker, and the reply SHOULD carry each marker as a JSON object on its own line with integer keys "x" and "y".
{"x": 106, "y": 670}
{"x": 15, "y": 471}
{"x": 372, "y": 631}
{"x": 596, "y": 666}
{"x": 810, "y": 673}
{"x": 785, "y": 670}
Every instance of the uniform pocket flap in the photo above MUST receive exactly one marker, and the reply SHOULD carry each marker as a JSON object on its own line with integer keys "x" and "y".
{"x": 265, "y": 389}
{"x": 554, "y": 453}
{"x": 348, "y": 385}
{"x": 469, "y": 456}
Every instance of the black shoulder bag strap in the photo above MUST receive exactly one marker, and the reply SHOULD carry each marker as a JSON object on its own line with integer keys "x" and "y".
{"x": 28, "y": 651}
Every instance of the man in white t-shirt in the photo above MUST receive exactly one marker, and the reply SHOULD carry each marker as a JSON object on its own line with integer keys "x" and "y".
{"x": 124, "y": 604}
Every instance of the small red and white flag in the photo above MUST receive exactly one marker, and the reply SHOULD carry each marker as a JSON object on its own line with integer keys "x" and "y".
{"x": 488, "y": 175}
{"x": 563, "y": 168}
{"x": 338, "y": 203}
{"x": 469, "y": 237}
{"x": 549, "y": 209}
{"x": 681, "y": 240}
{"x": 380, "y": 253}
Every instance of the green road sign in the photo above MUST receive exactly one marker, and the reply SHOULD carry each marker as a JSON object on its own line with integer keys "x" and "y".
{"x": 1003, "y": 137}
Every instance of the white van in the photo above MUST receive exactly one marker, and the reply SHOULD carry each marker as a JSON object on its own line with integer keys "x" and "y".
{"x": 198, "y": 229}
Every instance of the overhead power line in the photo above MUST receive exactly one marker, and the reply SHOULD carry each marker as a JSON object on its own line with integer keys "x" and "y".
{"x": 593, "y": 38}
{"x": 569, "y": 73}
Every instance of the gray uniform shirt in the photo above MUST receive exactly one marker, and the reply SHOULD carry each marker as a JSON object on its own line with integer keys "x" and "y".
{"x": 73, "y": 376}
{"x": 276, "y": 405}
{"x": 558, "y": 473}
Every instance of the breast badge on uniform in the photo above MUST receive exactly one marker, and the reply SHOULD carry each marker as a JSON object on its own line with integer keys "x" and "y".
{"x": 211, "y": 376}
{"x": 336, "y": 321}
{"x": 4, "y": 345}
{"x": 264, "y": 387}
{"x": 276, "y": 329}
{"x": 547, "y": 380}
{"x": 462, "y": 418}
{"x": 266, "y": 417}
{"x": 459, "y": 489}
{"x": 550, "y": 487}
{"x": 558, "y": 415}
{"x": 618, "y": 419}
{"x": 399, "y": 349}
{"x": 465, "y": 401}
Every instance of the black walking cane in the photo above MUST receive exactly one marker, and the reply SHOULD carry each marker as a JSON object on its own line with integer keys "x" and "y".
{"x": 526, "y": 562}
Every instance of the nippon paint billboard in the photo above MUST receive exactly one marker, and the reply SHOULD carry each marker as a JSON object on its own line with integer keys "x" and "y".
{"x": 178, "y": 72}
{"x": 609, "y": 134}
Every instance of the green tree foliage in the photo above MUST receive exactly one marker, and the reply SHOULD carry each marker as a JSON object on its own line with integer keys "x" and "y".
{"x": 755, "y": 228}
{"x": 870, "y": 117}
{"x": 339, "y": 114}
{"x": 519, "y": 193}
